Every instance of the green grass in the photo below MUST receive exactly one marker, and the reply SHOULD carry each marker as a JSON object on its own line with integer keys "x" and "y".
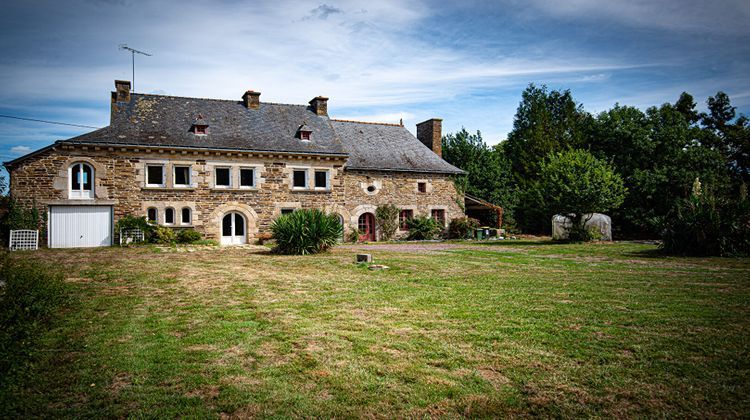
{"x": 513, "y": 328}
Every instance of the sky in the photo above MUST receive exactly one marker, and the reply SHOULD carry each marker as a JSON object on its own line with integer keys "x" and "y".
{"x": 466, "y": 62}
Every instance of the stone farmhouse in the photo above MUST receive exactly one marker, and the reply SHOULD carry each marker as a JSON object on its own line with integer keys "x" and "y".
{"x": 228, "y": 168}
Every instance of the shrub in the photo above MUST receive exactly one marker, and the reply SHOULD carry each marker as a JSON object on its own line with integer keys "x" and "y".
{"x": 28, "y": 299}
{"x": 163, "y": 235}
{"x": 387, "y": 219}
{"x": 188, "y": 236}
{"x": 354, "y": 235}
{"x": 132, "y": 222}
{"x": 462, "y": 227}
{"x": 705, "y": 225}
{"x": 20, "y": 217}
{"x": 307, "y": 231}
{"x": 421, "y": 228}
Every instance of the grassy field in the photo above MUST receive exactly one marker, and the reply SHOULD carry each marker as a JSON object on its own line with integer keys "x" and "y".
{"x": 518, "y": 328}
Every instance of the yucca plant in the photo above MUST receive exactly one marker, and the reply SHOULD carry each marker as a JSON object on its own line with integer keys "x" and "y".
{"x": 306, "y": 232}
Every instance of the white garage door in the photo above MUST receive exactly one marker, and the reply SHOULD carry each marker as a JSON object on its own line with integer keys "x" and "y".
{"x": 80, "y": 226}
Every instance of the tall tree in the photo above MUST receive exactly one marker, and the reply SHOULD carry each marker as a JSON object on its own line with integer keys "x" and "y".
{"x": 545, "y": 122}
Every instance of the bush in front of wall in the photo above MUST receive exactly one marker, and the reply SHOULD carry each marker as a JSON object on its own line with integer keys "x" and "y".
{"x": 423, "y": 228}
{"x": 387, "y": 220}
{"x": 188, "y": 236}
{"x": 306, "y": 231}
{"x": 462, "y": 227}
{"x": 163, "y": 235}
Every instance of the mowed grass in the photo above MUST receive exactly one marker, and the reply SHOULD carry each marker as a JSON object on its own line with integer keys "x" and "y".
{"x": 515, "y": 328}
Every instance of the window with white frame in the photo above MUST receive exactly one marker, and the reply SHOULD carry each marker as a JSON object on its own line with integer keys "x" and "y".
{"x": 155, "y": 175}
{"x": 186, "y": 216}
{"x": 222, "y": 177}
{"x": 247, "y": 178}
{"x": 81, "y": 177}
{"x": 169, "y": 216}
{"x": 299, "y": 179}
{"x": 322, "y": 179}
{"x": 181, "y": 176}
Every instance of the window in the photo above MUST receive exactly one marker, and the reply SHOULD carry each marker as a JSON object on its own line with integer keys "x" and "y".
{"x": 151, "y": 215}
{"x": 223, "y": 177}
{"x": 422, "y": 187}
{"x": 403, "y": 217}
{"x": 169, "y": 216}
{"x": 200, "y": 129}
{"x": 300, "y": 178}
{"x": 304, "y": 135}
{"x": 321, "y": 179}
{"x": 185, "y": 216}
{"x": 182, "y": 176}
{"x": 286, "y": 211}
{"x": 439, "y": 216}
{"x": 155, "y": 175}
{"x": 247, "y": 177}
{"x": 81, "y": 181}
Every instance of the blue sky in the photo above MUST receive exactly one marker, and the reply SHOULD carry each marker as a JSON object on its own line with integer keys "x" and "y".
{"x": 466, "y": 62}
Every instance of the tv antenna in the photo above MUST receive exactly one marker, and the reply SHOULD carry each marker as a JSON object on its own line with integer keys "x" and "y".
{"x": 133, "y": 52}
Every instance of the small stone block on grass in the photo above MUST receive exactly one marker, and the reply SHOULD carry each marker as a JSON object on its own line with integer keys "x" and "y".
{"x": 364, "y": 258}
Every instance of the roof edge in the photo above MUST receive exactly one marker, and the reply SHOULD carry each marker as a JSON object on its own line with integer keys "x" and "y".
{"x": 146, "y": 146}
{"x": 418, "y": 171}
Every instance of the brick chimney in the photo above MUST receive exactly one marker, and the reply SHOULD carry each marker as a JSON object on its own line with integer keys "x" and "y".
{"x": 122, "y": 91}
{"x": 251, "y": 99}
{"x": 319, "y": 105}
{"x": 430, "y": 133}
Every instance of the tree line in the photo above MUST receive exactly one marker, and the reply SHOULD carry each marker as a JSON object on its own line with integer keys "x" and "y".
{"x": 658, "y": 154}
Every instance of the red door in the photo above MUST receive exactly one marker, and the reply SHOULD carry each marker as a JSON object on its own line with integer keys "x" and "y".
{"x": 367, "y": 227}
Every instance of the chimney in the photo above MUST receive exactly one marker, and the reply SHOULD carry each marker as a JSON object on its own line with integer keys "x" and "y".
{"x": 122, "y": 91}
{"x": 251, "y": 99}
{"x": 319, "y": 105}
{"x": 430, "y": 133}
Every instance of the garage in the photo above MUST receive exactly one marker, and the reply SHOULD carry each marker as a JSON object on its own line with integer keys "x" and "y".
{"x": 80, "y": 226}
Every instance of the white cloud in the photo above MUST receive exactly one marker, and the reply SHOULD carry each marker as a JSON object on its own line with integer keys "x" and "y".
{"x": 726, "y": 16}
{"x": 20, "y": 150}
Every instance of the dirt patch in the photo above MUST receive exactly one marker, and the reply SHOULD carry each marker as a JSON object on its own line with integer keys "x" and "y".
{"x": 493, "y": 376}
{"x": 121, "y": 381}
{"x": 205, "y": 393}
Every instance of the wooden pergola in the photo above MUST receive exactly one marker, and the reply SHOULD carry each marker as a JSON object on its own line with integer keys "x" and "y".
{"x": 480, "y": 209}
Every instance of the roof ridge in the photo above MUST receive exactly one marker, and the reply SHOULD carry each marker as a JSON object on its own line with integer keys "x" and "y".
{"x": 213, "y": 99}
{"x": 367, "y": 122}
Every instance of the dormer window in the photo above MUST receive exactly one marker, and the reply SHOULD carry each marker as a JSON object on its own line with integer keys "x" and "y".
{"x": 200, "y": 125}
{"x": 304, "y": 132}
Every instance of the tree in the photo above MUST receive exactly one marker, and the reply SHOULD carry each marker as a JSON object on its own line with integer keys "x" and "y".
{"x": 576, "y": 183}
{"x": 489, "y": 174}
{"x": 545, "y": 122}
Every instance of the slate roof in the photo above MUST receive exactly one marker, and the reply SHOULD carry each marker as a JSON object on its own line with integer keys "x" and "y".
{"x": 387, "y": 147}
{"x": 157, "y": 120}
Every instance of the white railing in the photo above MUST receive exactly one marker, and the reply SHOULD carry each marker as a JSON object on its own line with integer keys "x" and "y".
{"x": 131, "y": 236}
{"x": 24, "y": 240}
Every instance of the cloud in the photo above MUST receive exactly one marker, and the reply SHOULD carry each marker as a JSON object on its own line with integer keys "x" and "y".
{"x": 727, "y": 16}
{"x": 20, "y": 150}
{"x": 322, "y": 12}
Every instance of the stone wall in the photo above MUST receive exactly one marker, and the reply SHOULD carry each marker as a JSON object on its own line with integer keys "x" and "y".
{"x": 120, "y": 178}
{"x": 401, "y": 190}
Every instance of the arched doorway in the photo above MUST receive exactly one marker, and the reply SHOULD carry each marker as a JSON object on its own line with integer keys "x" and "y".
{"x": 343, "y": 227}
{"x": 233, "y": 229}
{"x": 366, "y": 225}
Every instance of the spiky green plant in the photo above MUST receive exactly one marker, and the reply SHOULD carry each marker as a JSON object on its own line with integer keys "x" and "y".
{"x": 306, "y": 232}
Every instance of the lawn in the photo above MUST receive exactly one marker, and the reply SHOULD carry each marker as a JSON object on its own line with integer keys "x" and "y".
{"x": 513, "y": 328}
